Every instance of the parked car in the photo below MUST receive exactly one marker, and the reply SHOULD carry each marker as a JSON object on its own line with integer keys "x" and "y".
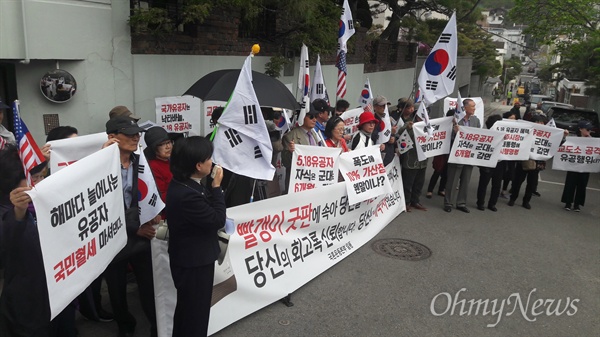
{"x": 568, "y": 118}
{"x": 546, "y": 105}
{"x": 535, "y": 99}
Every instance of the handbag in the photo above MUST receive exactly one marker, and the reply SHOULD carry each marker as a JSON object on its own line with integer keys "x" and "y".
{"x": 528, "y": 165}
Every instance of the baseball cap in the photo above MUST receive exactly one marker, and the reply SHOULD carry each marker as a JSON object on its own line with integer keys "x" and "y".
{"x": 380, "y": 100}
{"x": 585, "y": 124}
{"x": 124, "y": 125}
{"x": 320, "y": 105}
{"x": 121, "y": 110}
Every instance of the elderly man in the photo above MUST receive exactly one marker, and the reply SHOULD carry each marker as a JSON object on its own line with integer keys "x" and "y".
{"x": 388, "y": 149}
{"x": 322, "y": 108}
{"x": 125, "y": 132}
{"x": 302, "y": 135}
{"x": 460, "y": 171}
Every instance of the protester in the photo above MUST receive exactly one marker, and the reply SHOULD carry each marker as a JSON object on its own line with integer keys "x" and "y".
{"x": 341, "y": 106}
{"x": 334, "y": 131}
{"x": 301, "y": 135}
{"x": 388, "y": 149}
{"x": 158, "y": 152}
{"x": 59, "y": 132}
{"x": 122, "y": 111}
{"x": 460, "y": 171}
{"x": 24, "y": 306}
{"x": 494, "y": 174}
{"x": 413, "y": 169}
{"x": 6, "y": 137}
{"x": 366, "y": 125}
{"x": 528, "y": 170}
{"x": 516, "y": 110}
{"x": 125, "y": 132}
{"x": 440, "y": 170}
{"x": 195, "y": 214}
{"x": 576, "y": 182}
{"x": 322, "y": 108}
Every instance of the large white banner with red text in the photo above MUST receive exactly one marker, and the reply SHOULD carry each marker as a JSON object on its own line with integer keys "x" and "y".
{"x": 279, "y": 245}
{"x": 313, "y": 167}
{"x": 476, "y": 147}
{"x": 81, "y": 221}
{"x": 179, "y": 114}
{"x": 578, "y": 154}
{"x": 546, "y": 140}
{"x": 440, "y": 140}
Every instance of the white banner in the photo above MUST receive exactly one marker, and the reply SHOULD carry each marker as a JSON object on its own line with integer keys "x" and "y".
{"x": 364, "y": 174}
{"x": 279, "y": 245}
{"x": 546, "y": 140}
{"x": 208, "y": 108}
{"x": 81, "y": 222}
{"x": 179, "y": 114}
{"x": 440, "y": 140}
{"x": 518, "y": 138}
{"x": 313, "y": 167}
{"x": 476, "y": 147}
{"x": 578, "y": 154}
{"x": 450, "y": 103}
{"x": 65, "y": 152}
{"x": 351, "y": 119}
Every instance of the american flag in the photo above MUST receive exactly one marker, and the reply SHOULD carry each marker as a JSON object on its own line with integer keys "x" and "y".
{"x": 30, "y": 153}
{"x": 342, "y": 70}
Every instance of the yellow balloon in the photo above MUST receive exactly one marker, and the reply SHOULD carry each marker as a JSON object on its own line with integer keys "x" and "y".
{"x": 255, "y": 49}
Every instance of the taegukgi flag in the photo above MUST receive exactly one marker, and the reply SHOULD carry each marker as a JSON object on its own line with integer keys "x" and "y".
{"x": 150, "y": 203}
{"x": 303, "y": 84}
{"x": 438, "y": 75}
{"x": 386, "y": 133}
{"x": 366, "y": 97}
{"x": 460, "y": 109}
{"x": 241, "y": 142}
{"x": 318, "y": 86}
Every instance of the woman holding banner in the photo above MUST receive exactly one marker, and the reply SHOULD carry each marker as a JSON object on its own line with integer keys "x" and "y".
{"x": 195, "y": 214}
{"x": 576, "y": 182}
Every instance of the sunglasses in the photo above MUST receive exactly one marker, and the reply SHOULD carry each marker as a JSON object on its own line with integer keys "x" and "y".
{"x": 311, "y": 116}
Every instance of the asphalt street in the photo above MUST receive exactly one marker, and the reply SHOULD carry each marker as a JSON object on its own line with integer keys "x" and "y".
{"x": 546, "y": 257}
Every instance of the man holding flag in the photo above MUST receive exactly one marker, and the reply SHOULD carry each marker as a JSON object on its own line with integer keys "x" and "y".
{"x": 460, "y": 171}
{"x": 344, "y": 34}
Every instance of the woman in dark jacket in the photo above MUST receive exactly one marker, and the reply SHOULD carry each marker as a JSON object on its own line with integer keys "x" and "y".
{"x": 195, "y": 215}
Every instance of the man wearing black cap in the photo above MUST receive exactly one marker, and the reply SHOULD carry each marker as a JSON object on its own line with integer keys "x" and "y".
{"x": 7, "y": 136}
{"x": 322, "y": 108}
{"x": 126, "y": 133}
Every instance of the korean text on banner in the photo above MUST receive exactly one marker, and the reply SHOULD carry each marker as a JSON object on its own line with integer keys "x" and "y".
{"x": 279, "y": 245}
{"x": 546, "y": 140}
{"x": 364, "y": 174}
{"x": 81, "y": 223}
{"x": 351, "y": 119}
{"x": 440, "y": 140}
{"x": 476, "y": 147}
{"x": 179, "y": 114}
{"x": 313, "y": 167}
{"x": 208, "y": 108}
{"x": 578, "y": 154}
{"x": 518, "y": 138}
{"x": 67, "y": 151}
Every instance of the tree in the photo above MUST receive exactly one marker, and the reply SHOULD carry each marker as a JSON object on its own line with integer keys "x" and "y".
{"x": 573, "y": 28}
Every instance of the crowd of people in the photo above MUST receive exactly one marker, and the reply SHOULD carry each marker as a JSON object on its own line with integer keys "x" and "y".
{"x": 197, "y": 193}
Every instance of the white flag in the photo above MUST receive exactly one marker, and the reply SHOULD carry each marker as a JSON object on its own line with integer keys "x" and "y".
{"x": 242, "y": 144}
{"x": 460, "y": 109}
{"x": 424, "y": 115}
{"x": 346, "y": 27}
{"x": 438, "y": 75}
{"x": 149, "y": 202}
{"x": 318, "y": 86}
{"x": 303, "y": 84}
{"x": 386, "y": 133}
{"x": 366, "y": 97}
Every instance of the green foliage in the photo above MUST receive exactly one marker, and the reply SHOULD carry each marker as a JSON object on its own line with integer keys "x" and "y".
{"x": 155, "y": 21}
{"x": 275, "y": 65}
{"x": 195, "y": 12}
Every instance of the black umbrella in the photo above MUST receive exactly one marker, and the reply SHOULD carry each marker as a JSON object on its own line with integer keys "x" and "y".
{"x": 219, "y": 85}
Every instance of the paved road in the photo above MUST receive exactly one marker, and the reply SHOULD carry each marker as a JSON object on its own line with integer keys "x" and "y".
{"x": 546, "y": 253}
